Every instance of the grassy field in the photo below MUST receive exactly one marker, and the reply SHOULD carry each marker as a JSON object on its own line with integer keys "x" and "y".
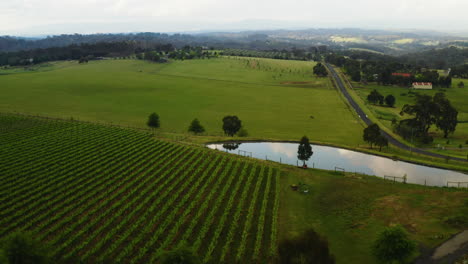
{"x": 457, "y": 96}
{"x": 351, "y": 211}
{"x": 275, "y": 99}
{"x": 100, "y": 193}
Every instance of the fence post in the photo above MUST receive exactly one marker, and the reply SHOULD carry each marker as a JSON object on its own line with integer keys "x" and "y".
{"x": 280, "y": 159}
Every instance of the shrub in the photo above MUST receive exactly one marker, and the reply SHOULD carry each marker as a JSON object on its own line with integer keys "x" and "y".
{"x": 393, "y": 245}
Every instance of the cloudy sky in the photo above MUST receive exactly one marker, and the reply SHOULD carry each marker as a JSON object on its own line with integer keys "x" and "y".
{"x": 40, "y": 17}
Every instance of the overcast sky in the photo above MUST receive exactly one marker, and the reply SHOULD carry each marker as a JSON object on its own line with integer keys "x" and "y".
{"x": 41, "y": 17}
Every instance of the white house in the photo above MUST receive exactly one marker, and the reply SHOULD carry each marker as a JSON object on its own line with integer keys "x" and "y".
{"x": 422, "y": 85}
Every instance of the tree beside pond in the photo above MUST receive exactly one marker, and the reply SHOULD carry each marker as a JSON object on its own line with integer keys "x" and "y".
{"x": 304, "y": 151}
{"x": 196, "y": 127}
{"x": 231, "y": 124}
{"x": 371, "y": 134}
{"x": 393, "y": 245}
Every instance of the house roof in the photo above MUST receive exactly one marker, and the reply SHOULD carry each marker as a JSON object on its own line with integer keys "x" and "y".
{"x": 401, "y": 74}
{"x": 423, "y": 83}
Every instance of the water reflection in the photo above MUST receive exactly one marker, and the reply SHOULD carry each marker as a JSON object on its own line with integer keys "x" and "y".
{"x": 328, "y": 158}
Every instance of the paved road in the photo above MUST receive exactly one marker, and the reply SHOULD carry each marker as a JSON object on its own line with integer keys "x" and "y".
{"x": 366, "y": 120}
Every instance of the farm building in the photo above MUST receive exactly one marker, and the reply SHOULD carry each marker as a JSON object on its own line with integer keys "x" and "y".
{"x": 406, "y": 75}
{"x": 422, "y": 85}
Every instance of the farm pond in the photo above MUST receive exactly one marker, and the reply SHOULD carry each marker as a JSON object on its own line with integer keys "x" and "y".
{"x": 338, "y": 159}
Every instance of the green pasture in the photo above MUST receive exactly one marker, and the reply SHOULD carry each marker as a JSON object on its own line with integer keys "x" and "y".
{"x": 352, "y": 210}
{"x": 275, "y": 99}
{"x": 403, "y": 95}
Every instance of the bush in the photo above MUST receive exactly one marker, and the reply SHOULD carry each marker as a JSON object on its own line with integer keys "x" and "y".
{"x": 243, "y": 133}
{"x": 22, "y": 248}
{"x": 393, "y": 245}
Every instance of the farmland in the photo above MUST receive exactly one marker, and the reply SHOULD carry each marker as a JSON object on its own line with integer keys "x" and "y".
{"x": 97, "y": 193}
{"x": 406, "y": 96}
{"x": 275, "y": 99}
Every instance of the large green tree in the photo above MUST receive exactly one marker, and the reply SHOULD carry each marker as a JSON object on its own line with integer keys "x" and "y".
{"x": 390, "y": 100}
{"x": 231, "y": 124}
{"x": 371, "y": 134}
{"x": 375, "y": 97}
{"x": 304, "y": 151}
{"x": 320, "y": 70}
{"x": 393, "y": 245}
{"x": 446, "y": 115}
{"x": 429, "y": 110}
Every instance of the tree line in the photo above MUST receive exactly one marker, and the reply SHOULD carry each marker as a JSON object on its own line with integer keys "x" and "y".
{"x": 386, "y": 70}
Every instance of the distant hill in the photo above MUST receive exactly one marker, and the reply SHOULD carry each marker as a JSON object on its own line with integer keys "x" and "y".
{"x": 382, "y": 41}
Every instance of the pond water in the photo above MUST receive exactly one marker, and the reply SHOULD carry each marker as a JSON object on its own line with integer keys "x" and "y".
{"x": 351, "y": 161}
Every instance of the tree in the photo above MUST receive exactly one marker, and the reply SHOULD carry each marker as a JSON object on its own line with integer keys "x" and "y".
{"x": 310, "y": 247}
{"x": 180, "y": 255}
{"x": 375, "y": 97}
{"x": 461, "y": 84}
{"x": 22, "y": 248}
{"x": 390, "y": 100}
{"x": 423, "y": 111}
{"x": 196, "y": 127}
{"x": 231, "y": 146}
{"x": 153, "y": 121}
{"x": 304, "y": 151}
{"x": 371, "y": 133}
{"x": 393, "y": 245}
{"x": 446, "y": 116}
{"x": 320, "y": 70}
{"x": 243, "y": 132}
{"x": 381, "y": 141}
{"x": 231, "y": 124}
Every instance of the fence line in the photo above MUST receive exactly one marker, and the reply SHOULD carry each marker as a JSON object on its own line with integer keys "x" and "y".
{"x": 394, "y": 178}
{"x": 458, "y": 184}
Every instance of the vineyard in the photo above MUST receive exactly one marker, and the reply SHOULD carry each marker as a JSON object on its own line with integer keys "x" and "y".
{"x": 97, "y": 193}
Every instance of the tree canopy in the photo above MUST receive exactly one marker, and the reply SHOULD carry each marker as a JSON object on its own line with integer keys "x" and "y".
{"x": 304, "y": 151}
{"x": 231, "y": 124}
{"x": 371, "y": 134}
{"x": 320, "y": 70}
{"x": 390, "y": 100}
{"x": 375, "y": 97}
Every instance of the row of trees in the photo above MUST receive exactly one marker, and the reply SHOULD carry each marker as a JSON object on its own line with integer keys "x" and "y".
{"x": 185, "y": 53}
{"x": 78, "y": 52}
{"x": 380, "y": 68}
{"x": 232, "y": 125}
{"x": 375, "y": 97}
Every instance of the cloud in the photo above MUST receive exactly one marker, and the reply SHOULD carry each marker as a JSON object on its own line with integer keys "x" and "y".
{"x": 38, "y": 16}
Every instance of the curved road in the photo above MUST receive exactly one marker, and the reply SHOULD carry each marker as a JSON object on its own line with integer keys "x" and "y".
{"x": 366, "y": 120}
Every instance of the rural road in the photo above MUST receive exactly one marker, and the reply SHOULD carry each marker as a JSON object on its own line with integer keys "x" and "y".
{"x": 367, "y": 121}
